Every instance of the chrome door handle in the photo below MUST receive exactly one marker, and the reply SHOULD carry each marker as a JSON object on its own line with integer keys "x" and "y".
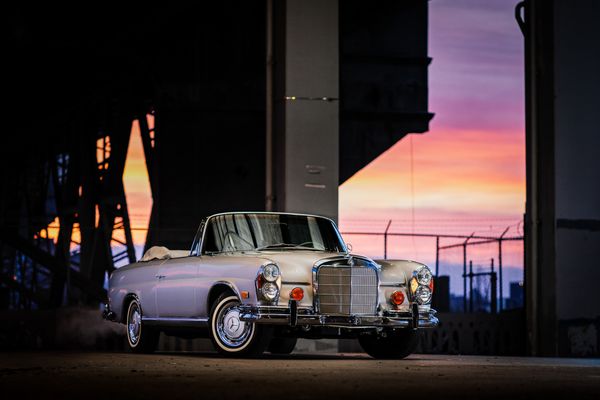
{"x": 159, "y": 276}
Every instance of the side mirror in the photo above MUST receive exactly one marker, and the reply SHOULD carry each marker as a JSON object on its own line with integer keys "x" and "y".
{"x": 349, "y": 247}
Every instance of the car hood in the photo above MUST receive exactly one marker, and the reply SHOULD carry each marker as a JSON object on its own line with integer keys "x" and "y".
{"x": 296, "y": 266}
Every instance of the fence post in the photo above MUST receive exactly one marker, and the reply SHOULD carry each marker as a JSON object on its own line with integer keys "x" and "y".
{"x": 465, "y": 277}
{"x": 471, "y": 286}
{"x": 465, "y": 272}
{"x": 494, "y": 290}
{"x": 385, "y": 235}
{"x": 500, "y": 272}
{"x": 500, "y": 267}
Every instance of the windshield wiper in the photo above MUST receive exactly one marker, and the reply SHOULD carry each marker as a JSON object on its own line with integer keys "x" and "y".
{"x": 275, "y": 245}
{"x": 284, "y": 245}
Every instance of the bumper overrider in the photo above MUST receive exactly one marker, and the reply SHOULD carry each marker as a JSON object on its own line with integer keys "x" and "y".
{"x": 295, "y": 316}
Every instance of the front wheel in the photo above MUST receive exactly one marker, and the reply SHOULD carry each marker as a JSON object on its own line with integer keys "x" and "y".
{"x": 395, "y": 345}
{"x": 140, "y": 339}
{"x": 230, "y": 335}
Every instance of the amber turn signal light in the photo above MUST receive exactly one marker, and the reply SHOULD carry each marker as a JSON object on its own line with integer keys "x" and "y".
{"x": 397, "y": 298}
{"x": 297, "y": 294}
{"x": 431, "y": 285}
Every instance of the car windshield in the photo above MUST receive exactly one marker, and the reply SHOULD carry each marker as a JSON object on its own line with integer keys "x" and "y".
{"x": 256, "y": 232}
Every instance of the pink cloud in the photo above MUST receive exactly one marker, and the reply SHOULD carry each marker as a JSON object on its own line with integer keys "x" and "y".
{"x": 467, "y": 174}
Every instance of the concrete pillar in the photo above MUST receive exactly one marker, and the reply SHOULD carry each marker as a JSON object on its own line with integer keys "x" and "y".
{"x": 305, "y": 103}
{"x": 563, "y": 176}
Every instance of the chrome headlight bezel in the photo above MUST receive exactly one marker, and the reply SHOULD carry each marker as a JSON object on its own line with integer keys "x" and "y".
{"x": 424, "y": 276}
{"x": 271, "y": 272}
{"x": 423, "y": 294}
{"x": 270, "y": 291}
{"x": 268, "y": 283}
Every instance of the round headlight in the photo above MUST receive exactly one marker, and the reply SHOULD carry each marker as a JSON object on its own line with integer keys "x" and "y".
{"x": 270, "y": 291}
{"x": 423, "y": 295}
{"x": 424, "y": 276}
{"x": 271, "y": 272}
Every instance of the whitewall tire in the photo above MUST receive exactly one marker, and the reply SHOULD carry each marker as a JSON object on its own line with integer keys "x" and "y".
{"x": 232, "y": 336}
{"x": 140, "y": 338}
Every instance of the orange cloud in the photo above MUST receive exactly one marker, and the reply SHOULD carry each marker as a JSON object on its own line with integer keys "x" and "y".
{"x": 454, "y": 171}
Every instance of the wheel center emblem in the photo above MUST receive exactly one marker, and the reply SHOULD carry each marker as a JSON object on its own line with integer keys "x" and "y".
{"x": 234, "y": 324}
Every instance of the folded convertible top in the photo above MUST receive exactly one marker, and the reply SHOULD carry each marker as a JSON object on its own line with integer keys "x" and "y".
{"x": 162, "y": 253}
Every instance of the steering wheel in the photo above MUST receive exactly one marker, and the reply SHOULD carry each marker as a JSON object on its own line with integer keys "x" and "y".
{"x": 305, "y": 244}
{"x": 239, "y": 237}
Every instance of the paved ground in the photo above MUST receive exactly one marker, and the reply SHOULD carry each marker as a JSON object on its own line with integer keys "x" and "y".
{"x": 203, "y": 375}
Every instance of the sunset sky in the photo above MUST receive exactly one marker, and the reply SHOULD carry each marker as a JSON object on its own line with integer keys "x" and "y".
{"x": 467, "y": 173}
{"x": 137, "y": 186}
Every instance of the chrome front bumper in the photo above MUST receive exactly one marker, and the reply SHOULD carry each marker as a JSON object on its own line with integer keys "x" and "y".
{"x": 294, "y": 316}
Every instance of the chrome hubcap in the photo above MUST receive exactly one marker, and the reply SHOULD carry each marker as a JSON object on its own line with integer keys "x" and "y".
{"x": 135, "y": 324}
{"x": 231, "y": 330}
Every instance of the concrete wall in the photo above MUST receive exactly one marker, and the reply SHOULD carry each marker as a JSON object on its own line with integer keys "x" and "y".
{"x": 306, "y": 107}
{"x": 563, "y": 176}
{"x": 577, "y": 158}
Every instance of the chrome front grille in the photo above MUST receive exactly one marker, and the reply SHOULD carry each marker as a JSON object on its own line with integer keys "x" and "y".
{"x": 346, "y": 290}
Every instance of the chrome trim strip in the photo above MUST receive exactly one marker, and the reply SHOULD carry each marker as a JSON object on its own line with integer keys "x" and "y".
{"x": 392, "y": 285}
{"x": 295, "y": 283}
{"x": 176, "y": 322}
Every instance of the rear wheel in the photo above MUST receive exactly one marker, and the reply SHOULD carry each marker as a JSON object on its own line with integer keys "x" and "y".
{"x": 282, "y": 345}
{"x": 232, "y": 336}
{"x": 140, "y": 338}
{"x": 396, "y": 345}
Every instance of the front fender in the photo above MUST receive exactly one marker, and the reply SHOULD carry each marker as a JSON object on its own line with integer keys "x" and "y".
{"x": 395, "y": 275}
{"x": 235, "y": 285}
{"x": 398, "y": 271}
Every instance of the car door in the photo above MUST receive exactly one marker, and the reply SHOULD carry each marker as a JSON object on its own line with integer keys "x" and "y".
{"x": 176, "y": 288}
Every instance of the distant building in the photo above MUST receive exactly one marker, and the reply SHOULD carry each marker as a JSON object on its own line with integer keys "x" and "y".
{"x": 516, "y": 295}
{"x": 456, "y": 303}
{"x": 441, "y": 294}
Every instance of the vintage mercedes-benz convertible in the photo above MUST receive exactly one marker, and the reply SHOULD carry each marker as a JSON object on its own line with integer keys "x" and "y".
{"x": 256, "y": 282}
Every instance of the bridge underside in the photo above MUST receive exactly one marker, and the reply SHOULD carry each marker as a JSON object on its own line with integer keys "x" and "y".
{"x": 212, "y": 91}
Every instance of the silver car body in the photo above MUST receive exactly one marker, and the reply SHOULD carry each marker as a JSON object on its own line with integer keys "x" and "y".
{"x": 177, "y": 290}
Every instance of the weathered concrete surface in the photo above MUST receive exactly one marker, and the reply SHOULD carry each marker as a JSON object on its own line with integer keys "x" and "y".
{"x": 204, "y": 375}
